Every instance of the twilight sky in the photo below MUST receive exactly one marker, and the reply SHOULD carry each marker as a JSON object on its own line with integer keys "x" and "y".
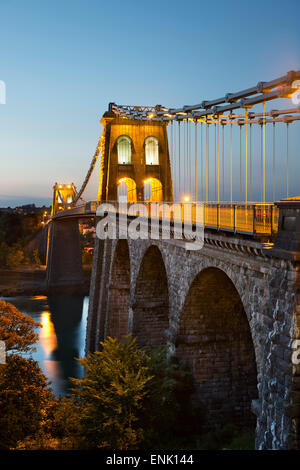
{"x": 63, "y": 61}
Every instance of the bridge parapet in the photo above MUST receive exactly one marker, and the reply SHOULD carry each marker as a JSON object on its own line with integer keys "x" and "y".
{"x": 287, "y": 243}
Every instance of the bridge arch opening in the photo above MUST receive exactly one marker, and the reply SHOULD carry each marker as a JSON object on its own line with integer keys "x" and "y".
{"x": 151, "y": 306}
{"x": 126, "y": 190}
{"x": 215, "y": 337}
{"x": 119, "y": 290}
{"x": 153, "y": 190}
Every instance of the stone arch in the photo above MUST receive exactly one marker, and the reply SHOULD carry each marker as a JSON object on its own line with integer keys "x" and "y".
{"x": 214, "y": 336}
{"x": 119, "y": 290}
{"x": 126, "y": 190}
{"x": 153, "y": 190}
{"x": 151, "y": 302}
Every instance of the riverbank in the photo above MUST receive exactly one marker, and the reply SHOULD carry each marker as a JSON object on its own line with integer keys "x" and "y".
{"x": 31, "y": 280}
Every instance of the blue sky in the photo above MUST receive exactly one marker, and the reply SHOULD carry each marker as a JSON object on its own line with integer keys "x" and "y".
{"x": 63, "y": 61}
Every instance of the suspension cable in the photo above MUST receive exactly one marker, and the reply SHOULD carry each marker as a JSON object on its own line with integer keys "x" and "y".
{"x": 246, "y": 158}
{"x": 251, "y": 192}
{"x": 240, "y": 163}
{"x": 92, "y": 166}
{"x": 274, "y": 163}
{"x": 179, "y": 165}
{"x": 264, "y": 152}
{"x": 287, "y": 159}
{"x": 196, "y": 163}
{"x": 261, "y": 162}
{"x": 202, "y": 178}
{"x": 215, "y": 161}
{"x": 223, "y": 164}
{"x": 188, "y": 157}
{"x": 218, "y": 163}
{"x": 207, "y": 162}
{"x": 231, "y": 161}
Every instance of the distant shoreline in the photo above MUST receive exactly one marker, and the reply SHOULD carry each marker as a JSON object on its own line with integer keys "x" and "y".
{"x": 32, "y": 281}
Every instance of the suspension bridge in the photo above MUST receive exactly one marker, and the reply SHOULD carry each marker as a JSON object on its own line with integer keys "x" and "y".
{"x": 232, "y": 309}
{"x": 205, "y": 161}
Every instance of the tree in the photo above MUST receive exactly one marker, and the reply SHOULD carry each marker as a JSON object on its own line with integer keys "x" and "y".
{"x": 59, "y": 428}
{"x": 169, "y": 412}
{"x": 112, "y": 393}
{"x": 130, "y": 398}
{"x": 35, "y": 257}
{"x": 24, "y": 400}
{"x": 15, "y": 256}
{"x": 3, "y": 253}
{"x": 17, "y": 329}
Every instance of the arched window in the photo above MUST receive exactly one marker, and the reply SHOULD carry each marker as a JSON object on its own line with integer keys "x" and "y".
{"x": 151, "y": 151}
{"x": 124, "y": 149}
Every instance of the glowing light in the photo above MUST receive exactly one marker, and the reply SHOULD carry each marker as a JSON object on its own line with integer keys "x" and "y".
{"x": 48, "y": 338}
{"x": 60, "y": 186}
{"x": 150, "y": 116}
{"x": 69, "y": 186}
{"x": 122, "y": 180}
{"x": 148, "y": 180}
{"x": 186, "y": 198}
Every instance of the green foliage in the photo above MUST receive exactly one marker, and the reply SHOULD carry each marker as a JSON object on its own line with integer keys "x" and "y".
{"x": 112, "y": 393}
{"x": 18, "y": 228}
{"x": 3, "y": 253}
{"x": 35, "y": 257}
{"x": 14, "y": 256}
{"x": 24, "y": 398}
{"x": 59, "y": 430}
{"x": 132, "y": 399}
{"x": 169, "y": 394}
{"x": 227, "y": 437}
{"x": 17, "y": 329}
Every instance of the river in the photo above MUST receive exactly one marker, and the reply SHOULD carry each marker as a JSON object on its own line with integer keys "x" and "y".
{"x": 61, "y": 338}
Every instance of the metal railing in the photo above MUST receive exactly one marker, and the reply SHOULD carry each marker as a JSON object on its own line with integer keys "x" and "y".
{"x": 258, "y": 218}
{"x": 252, "y": 219}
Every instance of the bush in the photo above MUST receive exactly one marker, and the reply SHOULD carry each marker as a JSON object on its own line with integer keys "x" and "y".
{"x": 227, "y": 437}
{"x": 112, "y": 393}
{"x": 169, "y": 394}
{"x": 15, "y": 256}
{"x": 132, "y": 399}
{"x": 24, "y": 398}
{"x": 17, "y": 329}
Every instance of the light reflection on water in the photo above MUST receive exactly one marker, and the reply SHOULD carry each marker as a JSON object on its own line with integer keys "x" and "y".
{"x": 61, "y": 337}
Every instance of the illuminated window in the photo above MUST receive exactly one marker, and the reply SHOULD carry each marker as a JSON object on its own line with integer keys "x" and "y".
{"x": 69, "y": 199}
{"x": 151, "y": 151}
{"x": 124, "y": 149}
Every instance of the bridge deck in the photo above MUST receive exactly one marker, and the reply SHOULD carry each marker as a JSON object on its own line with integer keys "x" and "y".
{"x": 252, "y": 219}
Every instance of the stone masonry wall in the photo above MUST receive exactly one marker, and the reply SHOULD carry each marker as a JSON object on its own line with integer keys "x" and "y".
{"x": 260, "y": 318}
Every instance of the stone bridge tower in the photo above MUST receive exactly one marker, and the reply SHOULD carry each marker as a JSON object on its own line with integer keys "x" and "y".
{"x": 135, "y": 160}
{"x": 62, "y": 194}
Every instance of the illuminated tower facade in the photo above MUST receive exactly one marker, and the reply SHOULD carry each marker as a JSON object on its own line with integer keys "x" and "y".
{"x": 135, "y": 162}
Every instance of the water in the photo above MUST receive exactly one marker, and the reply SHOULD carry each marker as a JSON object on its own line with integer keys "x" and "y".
{"x": 62, "y": 336}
